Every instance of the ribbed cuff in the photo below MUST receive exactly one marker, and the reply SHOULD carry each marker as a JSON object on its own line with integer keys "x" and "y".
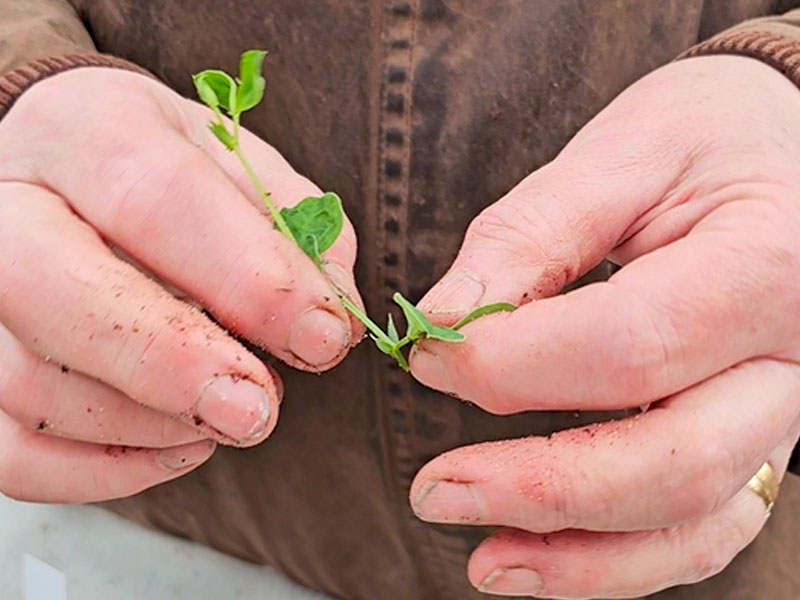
{"x": 15, "y": 82}
{"x": 780, "y": 52}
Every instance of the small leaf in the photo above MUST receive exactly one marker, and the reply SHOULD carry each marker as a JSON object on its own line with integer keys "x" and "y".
{"x": 252, "y": 83}
{"x": 216, "y": 89}
{"x": 391, "y": 330}
{"x": 446, "y": 334}
{"x": 485, "y": 310}
{"x": 383, "y": 345}
{"x": 222, "y": 135}
{"x": 392, "y": 350}
{"x": 418, "y": 324}
{"x": 315, "y": 223}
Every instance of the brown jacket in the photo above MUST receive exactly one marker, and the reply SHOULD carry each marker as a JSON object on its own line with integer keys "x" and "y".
{"x": 419, "y": 113}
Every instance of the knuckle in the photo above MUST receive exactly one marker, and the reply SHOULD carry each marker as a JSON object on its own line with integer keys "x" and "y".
{"x": 550, "y": 489}
{"x": 708, "y": 481}
{"x": 644, "y": 349}
{"x": 143, "y": 190}
{"x": 507, "y": 225}
{"x": 526, "y": 236}
{"x": 717, "y": 548}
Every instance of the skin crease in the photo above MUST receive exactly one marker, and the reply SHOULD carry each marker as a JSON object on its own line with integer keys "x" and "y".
{"x": 109, "y": 383}
{"x": 690, "y": 180}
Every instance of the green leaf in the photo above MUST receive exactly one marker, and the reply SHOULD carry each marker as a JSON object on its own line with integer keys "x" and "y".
{"x": 216, "y": 89}
{"x": 418, "y": 324}
{"x": 485, "y": 310}
{"x": 384, "y": 346}
{"x": 446, "y": 334}
{"x": 315, "y": 223}
{"x": 391, "y": 330}
{"x": 252, "y": 83}
{"x": 223, "y": 135}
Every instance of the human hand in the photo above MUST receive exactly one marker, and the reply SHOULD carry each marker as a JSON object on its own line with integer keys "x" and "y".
{"x": 108, "y": 383}
{"x": 690, "y": 179}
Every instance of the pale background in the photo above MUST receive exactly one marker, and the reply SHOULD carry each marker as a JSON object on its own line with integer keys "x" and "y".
{"x": 106, "y": 557}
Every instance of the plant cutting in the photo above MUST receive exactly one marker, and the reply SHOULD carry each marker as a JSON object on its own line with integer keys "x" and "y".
{"x": 315, "y": 222}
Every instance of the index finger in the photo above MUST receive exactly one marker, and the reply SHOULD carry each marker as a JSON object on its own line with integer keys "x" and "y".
{"x": 677, "y": 462}
{"x": 666, "y": 321}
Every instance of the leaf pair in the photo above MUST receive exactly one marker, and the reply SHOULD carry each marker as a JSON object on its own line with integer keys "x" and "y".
{"x": 219, "y": 90}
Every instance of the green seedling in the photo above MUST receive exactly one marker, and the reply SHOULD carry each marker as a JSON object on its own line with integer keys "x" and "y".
{"x": 315, "y": 222}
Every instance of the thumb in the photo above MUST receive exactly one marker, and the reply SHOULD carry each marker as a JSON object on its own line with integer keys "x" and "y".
{"x": 562, "y": 220}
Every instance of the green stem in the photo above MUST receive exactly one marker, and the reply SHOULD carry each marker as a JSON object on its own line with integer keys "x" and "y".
{"x": 280, "y": 223}
{"x": 273, "y": 210}
{"x": 361, "y": 316}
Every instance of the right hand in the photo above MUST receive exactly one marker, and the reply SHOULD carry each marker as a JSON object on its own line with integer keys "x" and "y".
{"x": 109, "y": 384}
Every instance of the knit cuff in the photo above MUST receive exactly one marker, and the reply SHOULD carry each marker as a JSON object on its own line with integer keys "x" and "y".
{"x": 778, "y": 51}
{"x": 14, "y": 83}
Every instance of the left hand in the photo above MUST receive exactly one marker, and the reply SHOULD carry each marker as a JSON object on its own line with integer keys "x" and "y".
{"x": 691, "y": 179}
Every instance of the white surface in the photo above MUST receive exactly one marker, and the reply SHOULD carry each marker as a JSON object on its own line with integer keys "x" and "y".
{"x": 41, "y": 581}
{"x": 105, "y": 557}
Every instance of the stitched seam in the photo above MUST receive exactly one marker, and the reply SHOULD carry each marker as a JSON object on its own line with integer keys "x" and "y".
{"x": 393, "y": 190}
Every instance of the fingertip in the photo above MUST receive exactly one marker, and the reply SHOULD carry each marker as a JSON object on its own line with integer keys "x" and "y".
{"x": 235, "y": 410}
{"x": 455, "y": 295}
{"x": 342, "y": 281}
{"x": 187, "y": 456}
{"x": 428, "y": 368}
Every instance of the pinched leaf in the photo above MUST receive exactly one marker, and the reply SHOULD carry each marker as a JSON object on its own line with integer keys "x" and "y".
{"x": 251, "y": 83}
{"x": 218, "y": 129}
{"x": 418, "y": 324}
{"x": 217, "y": 89}
{"x": 446, "y": 334}
{"x": 315, "y": 223}
{"x": 485, "y": 310}
{"x": 384, "y": 346}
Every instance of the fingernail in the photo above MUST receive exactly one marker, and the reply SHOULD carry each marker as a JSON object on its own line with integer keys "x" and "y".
{"x": 456, "y": 294}
{"x": 449, "y": 502}
{"x": 317, "y": 337}
{"x": 237, "y": 408}
{"x": 516, "y": 581}
{"x": 184, "y": 457}
{"x": 339, "y": 277}
{"x": 429, "y": 370}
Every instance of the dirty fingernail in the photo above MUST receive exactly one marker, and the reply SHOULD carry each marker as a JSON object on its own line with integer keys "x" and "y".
{"x": 237, "y": 408}
{"x": 515, "y": 581}
{"x": 449, "y": 502}
{"x": 429, "y": 370}
{"x": 317, "y": 337}
{"x": 340, "y": 278}
{"x": 184, "y": 457}
{"x": 456, "y": 294}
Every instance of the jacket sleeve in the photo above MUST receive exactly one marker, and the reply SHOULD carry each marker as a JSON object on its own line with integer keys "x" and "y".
{"x": 773, "y": 40}
{"x": 40, "y": 38}
{"x": 35, "y": 29}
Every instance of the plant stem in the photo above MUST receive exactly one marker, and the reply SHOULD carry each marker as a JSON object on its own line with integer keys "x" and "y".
{"x": 265, "y": 195}
{"x": 361, "y": 316}
{"x": 273, "y": 210}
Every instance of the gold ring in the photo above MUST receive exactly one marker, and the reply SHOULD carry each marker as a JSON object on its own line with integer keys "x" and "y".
{"x": 766, "y": 485}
